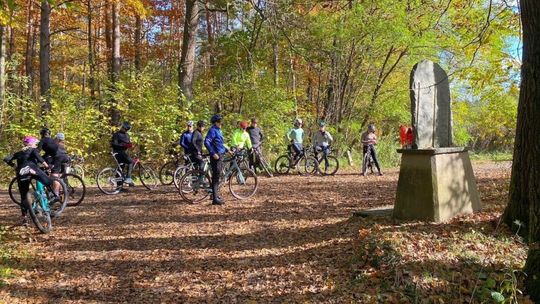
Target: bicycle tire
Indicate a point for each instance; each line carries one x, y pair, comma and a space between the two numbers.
265, 166
247, 175
12, 192
167, 171
73, 201
282, 164
331, 160
365, 163
57, 209
77, 170
42, 218
308, 165
187, 181
111, 178
178, 173
148, 177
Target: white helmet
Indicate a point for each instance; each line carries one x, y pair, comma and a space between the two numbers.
298, 122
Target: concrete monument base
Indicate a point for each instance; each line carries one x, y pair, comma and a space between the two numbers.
435, 185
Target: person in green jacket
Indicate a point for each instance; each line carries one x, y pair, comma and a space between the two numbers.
241, 139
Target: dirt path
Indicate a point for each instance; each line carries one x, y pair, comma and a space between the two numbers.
293, 242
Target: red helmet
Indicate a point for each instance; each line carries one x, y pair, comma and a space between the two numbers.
243, 124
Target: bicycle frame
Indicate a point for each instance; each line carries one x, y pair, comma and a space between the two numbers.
40, 197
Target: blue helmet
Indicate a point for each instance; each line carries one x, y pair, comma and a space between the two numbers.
216, 118
126, 125
322, 123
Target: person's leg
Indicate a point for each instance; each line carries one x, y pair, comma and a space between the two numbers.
374, 156
326, 151
24, 186
216, 172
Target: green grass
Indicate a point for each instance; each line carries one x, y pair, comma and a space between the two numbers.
496, 156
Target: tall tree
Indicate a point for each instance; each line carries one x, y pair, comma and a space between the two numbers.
186, 67
91, 52
116, 60
524, 204
30, 45
45, 56
2, 67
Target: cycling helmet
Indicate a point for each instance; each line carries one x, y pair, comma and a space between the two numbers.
201, 123
322, 123
298, 122
45, 132
254, 120
216, 118
243, 124
30, 140
371, 127
190, 123
126, 125
60, 136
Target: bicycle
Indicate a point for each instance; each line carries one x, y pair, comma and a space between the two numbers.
288, 161
367, 161
41, 202
76, 188
111, 180
260, 161
182, 169
329, 163
167, 171
195, 185
76, 165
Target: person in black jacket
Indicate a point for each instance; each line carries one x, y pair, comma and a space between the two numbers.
120, 143
256, 136
28, 161
49, 147
197, 144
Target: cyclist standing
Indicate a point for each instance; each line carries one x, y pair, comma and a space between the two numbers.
61, 155
256, 136
185, 138
369, 140
120, 143
197, 143
241, 138
215, 144
321, 142
296, 137
53, 158
28, 160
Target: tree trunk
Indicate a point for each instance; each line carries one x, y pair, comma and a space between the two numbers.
116, 61
29, 52
45, 57
524, 204
91, 54
138, 46
189, 41
2, 71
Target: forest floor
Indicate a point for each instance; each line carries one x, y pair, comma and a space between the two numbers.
295, 241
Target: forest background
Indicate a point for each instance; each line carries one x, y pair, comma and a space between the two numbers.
83, 66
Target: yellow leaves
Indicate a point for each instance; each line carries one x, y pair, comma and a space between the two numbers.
137, 7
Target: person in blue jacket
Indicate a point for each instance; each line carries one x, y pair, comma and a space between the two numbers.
185, 138
215, 144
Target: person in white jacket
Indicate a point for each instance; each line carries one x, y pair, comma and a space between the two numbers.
321, 142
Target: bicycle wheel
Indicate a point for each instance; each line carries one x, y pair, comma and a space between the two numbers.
39, 213
195, 186
282, 165
166, 173
148, 177
331, 168
14, 191
109, 181
178, 173
243, 183
77, 170
58, 205
263, 163
309, 165
76, 189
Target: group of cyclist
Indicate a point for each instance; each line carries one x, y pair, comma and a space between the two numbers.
28, 163
247, 136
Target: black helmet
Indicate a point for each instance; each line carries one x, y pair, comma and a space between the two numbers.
45, 132
126, 125
216, 118
371, 127
201, 123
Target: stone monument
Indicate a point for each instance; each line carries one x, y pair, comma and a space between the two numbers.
436, 180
